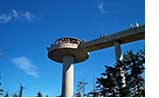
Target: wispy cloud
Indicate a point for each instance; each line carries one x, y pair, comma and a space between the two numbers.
5, 18
26, 65
29, 16
15, 15
100, 6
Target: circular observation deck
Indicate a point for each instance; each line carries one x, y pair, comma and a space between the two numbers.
67, 46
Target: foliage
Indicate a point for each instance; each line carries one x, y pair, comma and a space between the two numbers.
110, 84
93, 93
81, 89
47, 95
1, 90
14, 95
6, 95
39, 94
131, 70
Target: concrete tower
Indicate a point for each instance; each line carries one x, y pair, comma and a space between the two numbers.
65, 51
71, 50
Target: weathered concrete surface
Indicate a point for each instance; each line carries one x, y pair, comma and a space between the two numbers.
117, 47
68, 76
125, 36
68, 54
118, 54
66, 51
57, 52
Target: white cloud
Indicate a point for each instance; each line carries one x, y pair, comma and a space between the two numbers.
25, 64
28, 16
7, 17
101, 7
15, 13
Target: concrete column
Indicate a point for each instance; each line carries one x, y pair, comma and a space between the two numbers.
68, 76
117, 50
118, 57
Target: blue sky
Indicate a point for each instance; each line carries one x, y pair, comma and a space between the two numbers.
27, 27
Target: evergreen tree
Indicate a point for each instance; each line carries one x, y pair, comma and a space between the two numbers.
21, 90
14, 95
1, 90
81, 89
94, 92
47, 95
6, 95
110, 84
39, 94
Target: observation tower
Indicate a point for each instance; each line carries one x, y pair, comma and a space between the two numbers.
70, 50
65, 51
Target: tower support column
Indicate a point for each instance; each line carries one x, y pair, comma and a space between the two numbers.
68, 76
118, 55
117, 50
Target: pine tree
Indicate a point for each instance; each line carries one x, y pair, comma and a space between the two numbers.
6, 95
39, 94
1, 90
94, 92
81, 89
110, 84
